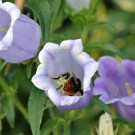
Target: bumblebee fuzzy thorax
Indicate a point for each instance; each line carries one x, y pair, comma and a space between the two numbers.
68, 85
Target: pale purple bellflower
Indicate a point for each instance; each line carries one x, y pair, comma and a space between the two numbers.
116, 85
19, 35
65, 74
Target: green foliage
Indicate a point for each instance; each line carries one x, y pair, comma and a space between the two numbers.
101, 104
85, 16
42, 10
71, 115
106, 28
132, 125
106, 47
8, 104
55, 5
126, 5
29, 69
58, 14
50, 125
1, 117
36, 106
2, 65
21, 133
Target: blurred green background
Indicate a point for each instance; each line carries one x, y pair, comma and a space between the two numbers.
106, 28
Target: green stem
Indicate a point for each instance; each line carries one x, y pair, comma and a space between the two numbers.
57, 130
52, 114
18, 104
57, 127
2, 66
21, 109
85, 34
4, 86
67, 128
35, 17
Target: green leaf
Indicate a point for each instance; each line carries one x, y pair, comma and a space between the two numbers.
21, 133
29, 69
129, 51
93, 5
49, 125
58, 14
36, 107
55, 5
106, 47
8, 104
104, 25
71, 115
132, 125
101, 104
1, 117
2, 65
42, 10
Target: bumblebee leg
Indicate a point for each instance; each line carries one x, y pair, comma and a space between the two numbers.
55, 78
59, 87
79, 85
66, 75
81, 91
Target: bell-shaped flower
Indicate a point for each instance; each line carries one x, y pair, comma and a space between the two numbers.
116, 85
19, 35
65, 74
78, 4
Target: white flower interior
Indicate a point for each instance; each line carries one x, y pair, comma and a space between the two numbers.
4, 23
67, 73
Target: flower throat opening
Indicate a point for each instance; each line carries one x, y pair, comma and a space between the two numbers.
128, 88
69, 85
4, 23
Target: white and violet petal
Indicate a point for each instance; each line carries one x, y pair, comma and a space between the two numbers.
19, 36
116, 85
67, 73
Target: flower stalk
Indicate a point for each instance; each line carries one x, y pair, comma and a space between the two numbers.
18, 104
21, 108
67, 128
20, 4
85, 33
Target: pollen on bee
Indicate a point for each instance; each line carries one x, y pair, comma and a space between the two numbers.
128, 88
68, 85
60, 81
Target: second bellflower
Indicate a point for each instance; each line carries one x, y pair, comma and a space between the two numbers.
65, 74
116, 85
19, 35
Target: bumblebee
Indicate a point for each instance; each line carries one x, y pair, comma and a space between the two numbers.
70, 84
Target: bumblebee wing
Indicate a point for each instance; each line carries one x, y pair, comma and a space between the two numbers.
74, 78
77, 83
